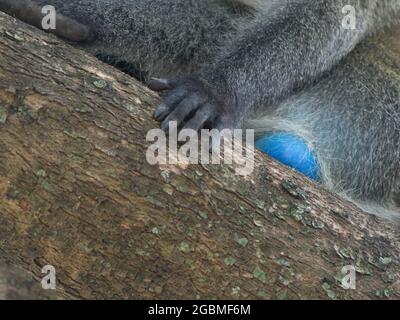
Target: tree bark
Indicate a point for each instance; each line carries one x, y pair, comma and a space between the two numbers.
76, 192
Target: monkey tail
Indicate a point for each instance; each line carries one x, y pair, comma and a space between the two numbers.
31, 13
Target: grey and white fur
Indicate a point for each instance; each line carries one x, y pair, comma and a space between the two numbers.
286, 65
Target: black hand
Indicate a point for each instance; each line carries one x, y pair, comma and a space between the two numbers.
192, 104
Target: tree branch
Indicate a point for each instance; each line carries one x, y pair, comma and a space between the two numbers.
77, 193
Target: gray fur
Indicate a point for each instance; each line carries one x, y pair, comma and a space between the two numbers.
289, 62
160, 37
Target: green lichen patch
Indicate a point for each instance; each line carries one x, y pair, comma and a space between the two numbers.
388, 277
189, 263
199, 173
362, 267
344, 253
296, 192
203, 214
85, 248
142, 253
260, 275
13, 191
260, 204
328, 290
305, 231
285, 281
130, 107
98, 83
317, 224
182, 185
243, 241
165, 174
343, 280
386, 293
73, 134
282, 262
280, 215
184, 247
168, 190
381, 263
15, 36
41, 173
46, 185
339, 277
229, 261
3, 115
84, 109
28, 114
235, 291
298, 213
281, 295
385, 261
263, 295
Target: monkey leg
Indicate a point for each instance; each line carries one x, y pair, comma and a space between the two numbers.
350, 121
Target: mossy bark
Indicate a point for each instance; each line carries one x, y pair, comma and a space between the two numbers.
76, 192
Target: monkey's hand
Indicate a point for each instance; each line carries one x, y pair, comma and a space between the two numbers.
193, 104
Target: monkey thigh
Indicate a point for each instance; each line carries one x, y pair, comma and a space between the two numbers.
351, 122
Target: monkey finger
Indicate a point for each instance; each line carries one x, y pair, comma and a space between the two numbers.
157, 84
182, 111
223, 133
223, 124
169, 103
197, 122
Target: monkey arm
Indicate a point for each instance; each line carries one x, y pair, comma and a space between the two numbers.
280, 53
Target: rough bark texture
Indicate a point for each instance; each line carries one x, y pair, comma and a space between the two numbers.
77, 193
